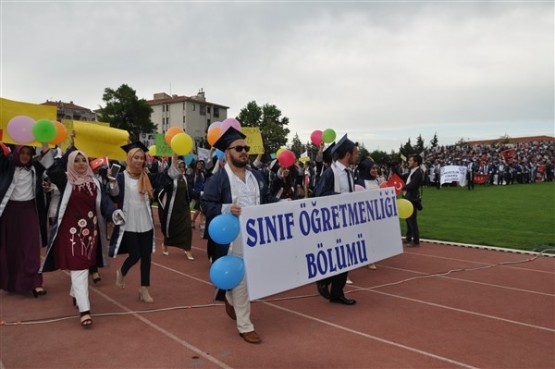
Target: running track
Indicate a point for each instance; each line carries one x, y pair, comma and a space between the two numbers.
436, 306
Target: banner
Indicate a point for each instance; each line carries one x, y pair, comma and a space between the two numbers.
508, 155
480, 178
97, 140
453, 173
292, 243
254, 139
10, 109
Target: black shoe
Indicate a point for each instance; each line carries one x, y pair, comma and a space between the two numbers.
413, 244
343, 300
38, 292
323, 290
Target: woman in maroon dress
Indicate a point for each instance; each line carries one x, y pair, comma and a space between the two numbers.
79, 232
22, 197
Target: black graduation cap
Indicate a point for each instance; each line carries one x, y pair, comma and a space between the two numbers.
227, 138
343, 146
326, 154
134, 145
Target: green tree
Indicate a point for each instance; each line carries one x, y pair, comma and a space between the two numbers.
124, 110
362, 151
434, 141
419, 147
407, 149
380, 157
297, 146
272, 125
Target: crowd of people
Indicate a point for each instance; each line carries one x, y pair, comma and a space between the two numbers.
84, 213
495, 164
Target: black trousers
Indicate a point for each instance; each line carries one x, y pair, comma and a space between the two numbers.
337, 283
140, 248
413, 234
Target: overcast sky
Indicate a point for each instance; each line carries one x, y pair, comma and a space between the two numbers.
382, 72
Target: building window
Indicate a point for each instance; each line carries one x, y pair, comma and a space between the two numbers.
216, 112
183, 120
202, 109
194, 107
208, 109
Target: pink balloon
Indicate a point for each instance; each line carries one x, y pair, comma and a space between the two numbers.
230, 122
20, 129
214, 125
286, 158
359, 188
316, 137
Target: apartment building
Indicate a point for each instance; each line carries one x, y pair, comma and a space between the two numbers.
71, 111
192, 113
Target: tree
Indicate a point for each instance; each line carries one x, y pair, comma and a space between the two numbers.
419, 147
407, 149
362, 151
268, 119
297, 146
380, 157
434, 141
125, 111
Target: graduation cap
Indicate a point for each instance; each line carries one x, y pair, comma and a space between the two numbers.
134, 145
343, 146
227, 138
326, 154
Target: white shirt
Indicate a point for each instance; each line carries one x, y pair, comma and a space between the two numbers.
137, 218
343, 177
24, 189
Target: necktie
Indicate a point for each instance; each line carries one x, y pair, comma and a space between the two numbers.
349, 179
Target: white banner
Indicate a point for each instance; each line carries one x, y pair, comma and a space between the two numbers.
453, 173
293, 243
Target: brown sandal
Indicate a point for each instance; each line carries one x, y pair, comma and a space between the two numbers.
86, 320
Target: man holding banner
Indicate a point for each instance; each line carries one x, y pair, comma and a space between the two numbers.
336, 179
226, 192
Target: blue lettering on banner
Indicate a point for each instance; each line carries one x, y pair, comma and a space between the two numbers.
269, 229
336, 258
278, 227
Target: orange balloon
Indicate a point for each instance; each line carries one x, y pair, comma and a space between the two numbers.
213, 135
172, 132
61, 133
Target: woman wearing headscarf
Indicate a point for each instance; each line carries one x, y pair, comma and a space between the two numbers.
368, 177
136, 237
78, 236
173, 208
22, 218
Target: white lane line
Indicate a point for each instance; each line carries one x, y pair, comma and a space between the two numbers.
467, 281
506, 264
493, 317
165, 332
369, 336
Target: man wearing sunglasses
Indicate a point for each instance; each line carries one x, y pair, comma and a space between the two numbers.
227, 192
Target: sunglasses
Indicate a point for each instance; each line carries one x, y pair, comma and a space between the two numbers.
240, 148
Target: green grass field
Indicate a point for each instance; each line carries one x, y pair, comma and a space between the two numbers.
516, 216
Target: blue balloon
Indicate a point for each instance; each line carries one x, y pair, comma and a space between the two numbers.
220, 154
227, 272
224, 228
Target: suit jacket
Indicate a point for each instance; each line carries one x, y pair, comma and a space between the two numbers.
413, 187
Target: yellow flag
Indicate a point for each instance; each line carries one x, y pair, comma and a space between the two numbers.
254, 139
10, 109
98, 140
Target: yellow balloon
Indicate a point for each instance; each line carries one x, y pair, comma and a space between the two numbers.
182, 144
278, 153
404, 208
152, 150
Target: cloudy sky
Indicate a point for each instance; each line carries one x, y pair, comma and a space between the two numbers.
383, 72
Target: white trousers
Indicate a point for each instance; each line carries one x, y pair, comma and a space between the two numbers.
80, 289
239, 296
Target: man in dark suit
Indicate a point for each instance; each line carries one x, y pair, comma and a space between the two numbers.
337, 178
413, 182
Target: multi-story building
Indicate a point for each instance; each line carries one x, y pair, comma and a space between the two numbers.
71, 111
194, 114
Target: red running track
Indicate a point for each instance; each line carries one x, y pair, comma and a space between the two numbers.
435, 306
